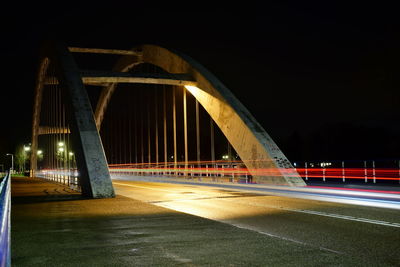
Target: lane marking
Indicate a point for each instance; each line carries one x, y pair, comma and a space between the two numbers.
346, 217
325, 214
283, 238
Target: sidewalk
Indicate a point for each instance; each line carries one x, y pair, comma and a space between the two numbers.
53, 226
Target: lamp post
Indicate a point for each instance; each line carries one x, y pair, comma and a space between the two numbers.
12, 161
27, 149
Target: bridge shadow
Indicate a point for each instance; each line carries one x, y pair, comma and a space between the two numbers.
41, 199
35, 190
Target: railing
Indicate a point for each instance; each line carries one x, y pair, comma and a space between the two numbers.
5, 200
351, 171
65, 177
218, 171
383, 172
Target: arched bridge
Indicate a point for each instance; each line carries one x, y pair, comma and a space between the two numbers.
156, 112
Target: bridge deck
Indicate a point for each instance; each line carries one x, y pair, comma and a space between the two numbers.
53, 226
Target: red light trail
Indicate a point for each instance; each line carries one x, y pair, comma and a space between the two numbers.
236, 168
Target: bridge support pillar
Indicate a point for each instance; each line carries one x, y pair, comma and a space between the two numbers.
90, 157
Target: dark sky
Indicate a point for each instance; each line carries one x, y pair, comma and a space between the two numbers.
320, 78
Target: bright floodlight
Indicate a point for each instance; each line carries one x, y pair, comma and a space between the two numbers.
71, 153
39, 152
27, 148
60, 143
61, 149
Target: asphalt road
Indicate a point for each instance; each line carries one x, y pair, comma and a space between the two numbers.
367, 235
55, 226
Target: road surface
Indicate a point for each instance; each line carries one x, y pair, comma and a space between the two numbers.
367, 234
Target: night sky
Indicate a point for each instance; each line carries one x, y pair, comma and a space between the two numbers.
322, 79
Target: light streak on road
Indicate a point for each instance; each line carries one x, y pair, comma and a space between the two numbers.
373, 198
237, 169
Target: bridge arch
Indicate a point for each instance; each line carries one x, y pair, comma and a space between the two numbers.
252, 143
95, 181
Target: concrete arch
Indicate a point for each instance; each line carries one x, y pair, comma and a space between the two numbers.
91, 161
37, 104
260, 154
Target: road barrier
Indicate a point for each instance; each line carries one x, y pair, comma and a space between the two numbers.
5, 200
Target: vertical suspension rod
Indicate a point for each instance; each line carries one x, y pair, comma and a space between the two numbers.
141, 129
165, 127
212, 142
185, 127
156, 119
198, 133
174, 124
148, 132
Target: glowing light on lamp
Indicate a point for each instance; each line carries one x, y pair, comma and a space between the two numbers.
61, 149
27, 148
71, 153
39, 152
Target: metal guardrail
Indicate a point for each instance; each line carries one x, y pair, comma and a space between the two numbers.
67, 177
5, 227
351, 171
220, 171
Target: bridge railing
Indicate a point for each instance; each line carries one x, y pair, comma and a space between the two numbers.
69, 177
219, 171
5, 200
350, 171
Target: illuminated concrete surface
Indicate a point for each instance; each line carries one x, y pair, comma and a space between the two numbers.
255, 147
368, 236
52, 226
372, 196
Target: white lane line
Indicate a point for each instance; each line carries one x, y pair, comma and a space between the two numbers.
321, 213
345, 217
281, 237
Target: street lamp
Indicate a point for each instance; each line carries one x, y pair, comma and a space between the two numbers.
27, 149
12, 161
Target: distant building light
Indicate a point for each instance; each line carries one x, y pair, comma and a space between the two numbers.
60, 143
39, 152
